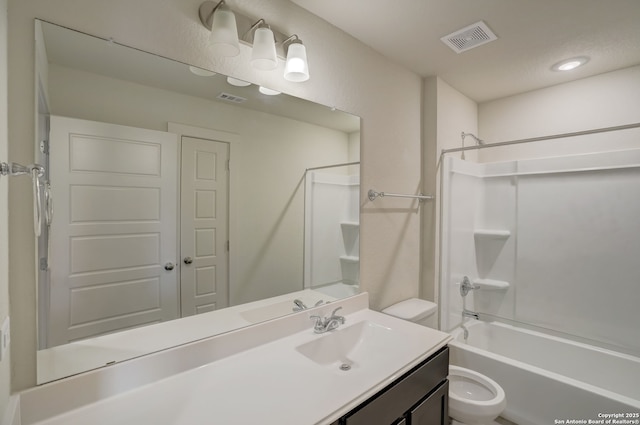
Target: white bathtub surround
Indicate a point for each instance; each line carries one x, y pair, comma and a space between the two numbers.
552, 242
70, 359
253, 375
332, 227
547, 377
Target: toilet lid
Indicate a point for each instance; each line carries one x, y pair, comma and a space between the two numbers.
412, 309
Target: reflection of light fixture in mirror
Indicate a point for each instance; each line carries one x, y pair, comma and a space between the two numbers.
569, 64
238, 83
267, 91
296, 69
263, 54
201, 72
224, 31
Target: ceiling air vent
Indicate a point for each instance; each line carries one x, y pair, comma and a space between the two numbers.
230, 98
469, 37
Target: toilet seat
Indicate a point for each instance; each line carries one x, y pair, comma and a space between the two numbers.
474, 399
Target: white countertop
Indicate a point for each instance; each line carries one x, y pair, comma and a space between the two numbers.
270, 383
91, 353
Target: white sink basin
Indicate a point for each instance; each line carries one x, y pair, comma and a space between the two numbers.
362, 344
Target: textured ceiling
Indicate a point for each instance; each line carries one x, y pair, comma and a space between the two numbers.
533, 35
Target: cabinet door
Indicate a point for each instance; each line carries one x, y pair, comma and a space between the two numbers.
434, 410
392, 403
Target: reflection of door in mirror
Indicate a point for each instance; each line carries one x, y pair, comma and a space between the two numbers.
115, 191
204, 232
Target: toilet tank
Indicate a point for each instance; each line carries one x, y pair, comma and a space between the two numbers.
419, 311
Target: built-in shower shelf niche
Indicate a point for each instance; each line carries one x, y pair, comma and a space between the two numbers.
350, 225
491, 234
350, 238
489, 244
349, 259
491, 284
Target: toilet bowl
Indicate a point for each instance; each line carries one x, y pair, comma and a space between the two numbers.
474, 399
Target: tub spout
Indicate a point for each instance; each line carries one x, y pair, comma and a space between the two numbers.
465, 331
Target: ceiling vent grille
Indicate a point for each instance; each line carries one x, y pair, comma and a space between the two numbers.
469, 37
231, 98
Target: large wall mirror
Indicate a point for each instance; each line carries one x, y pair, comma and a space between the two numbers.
180, 203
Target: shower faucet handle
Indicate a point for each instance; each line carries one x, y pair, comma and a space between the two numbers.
466, 285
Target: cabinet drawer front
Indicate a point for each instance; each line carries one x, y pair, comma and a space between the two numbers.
392, 402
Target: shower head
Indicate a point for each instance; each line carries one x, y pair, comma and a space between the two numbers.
477, 139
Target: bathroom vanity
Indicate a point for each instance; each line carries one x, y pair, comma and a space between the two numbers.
419, 397
276, 372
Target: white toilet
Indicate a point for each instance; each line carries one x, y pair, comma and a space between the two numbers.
474, 399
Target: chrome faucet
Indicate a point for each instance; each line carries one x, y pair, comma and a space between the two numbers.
326, 324
299, 305
469, 313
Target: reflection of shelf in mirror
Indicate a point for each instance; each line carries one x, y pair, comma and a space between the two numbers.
349, 258
491, 233
490, 284
354, 224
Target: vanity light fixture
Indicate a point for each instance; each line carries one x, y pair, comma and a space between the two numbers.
267, 44
296, 68
224, 30
569, 64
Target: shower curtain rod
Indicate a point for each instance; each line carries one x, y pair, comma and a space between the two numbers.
332, 166
537, 139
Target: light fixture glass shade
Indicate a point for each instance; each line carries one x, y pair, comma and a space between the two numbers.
263, 55
268, 91
224, 32
238, 83
296, 69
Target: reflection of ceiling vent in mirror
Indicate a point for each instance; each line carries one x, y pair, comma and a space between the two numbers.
231, 98
469, 37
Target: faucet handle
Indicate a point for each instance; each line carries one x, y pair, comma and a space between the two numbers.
318, 319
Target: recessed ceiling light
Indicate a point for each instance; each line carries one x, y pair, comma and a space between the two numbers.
268, 91
201, 72
569, 64
238, 83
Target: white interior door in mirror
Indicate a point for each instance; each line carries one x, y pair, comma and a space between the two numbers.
204, 225
113, 265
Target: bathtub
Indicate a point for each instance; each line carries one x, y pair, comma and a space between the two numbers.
551, 380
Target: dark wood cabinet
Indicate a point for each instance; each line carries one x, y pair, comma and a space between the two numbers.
419, 397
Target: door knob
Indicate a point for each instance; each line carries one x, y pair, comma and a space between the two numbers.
188, 260
169, 266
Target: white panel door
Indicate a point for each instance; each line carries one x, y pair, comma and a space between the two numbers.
204, 225
114, 228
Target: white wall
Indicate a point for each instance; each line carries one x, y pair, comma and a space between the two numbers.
267, 198
344, 74
5, 370
605, 100
447, 113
